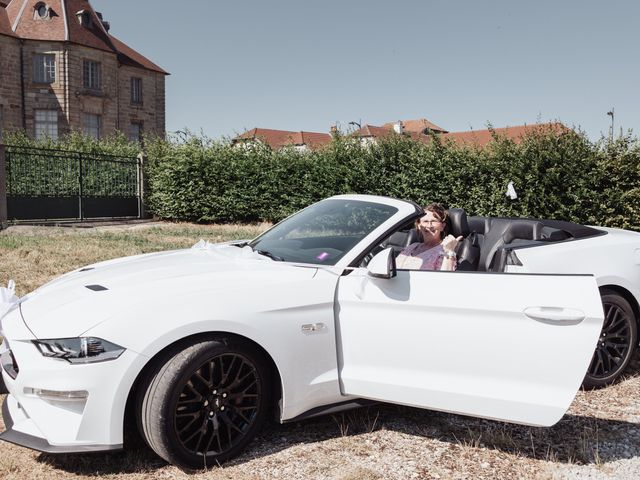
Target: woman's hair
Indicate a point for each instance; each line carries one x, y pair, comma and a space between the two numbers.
441, 214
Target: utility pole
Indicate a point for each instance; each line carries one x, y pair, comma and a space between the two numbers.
611, 113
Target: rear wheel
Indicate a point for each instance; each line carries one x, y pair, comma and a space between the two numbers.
205, 404
616, 344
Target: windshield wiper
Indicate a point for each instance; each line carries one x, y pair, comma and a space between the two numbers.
270, 255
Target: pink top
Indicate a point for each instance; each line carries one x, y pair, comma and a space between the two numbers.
418, 257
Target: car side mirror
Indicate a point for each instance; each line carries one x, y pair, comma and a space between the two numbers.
383, 265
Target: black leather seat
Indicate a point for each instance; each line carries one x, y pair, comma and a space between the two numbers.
504, 231
468, 250
402, 239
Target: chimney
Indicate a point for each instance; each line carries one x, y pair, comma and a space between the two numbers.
398, 127
104, 23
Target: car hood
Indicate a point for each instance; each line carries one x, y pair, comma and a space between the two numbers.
81, 299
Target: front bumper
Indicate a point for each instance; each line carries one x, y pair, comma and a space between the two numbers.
38, 443
35, 418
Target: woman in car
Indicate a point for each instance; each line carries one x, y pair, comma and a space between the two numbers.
437, 251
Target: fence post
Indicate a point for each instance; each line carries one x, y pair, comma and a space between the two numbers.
142, 210
3, 189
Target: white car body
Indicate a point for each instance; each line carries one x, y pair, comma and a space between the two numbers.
492, 345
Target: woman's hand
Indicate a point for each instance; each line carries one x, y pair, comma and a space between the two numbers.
450, 243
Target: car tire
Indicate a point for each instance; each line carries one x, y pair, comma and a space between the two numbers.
205, 403
617, 342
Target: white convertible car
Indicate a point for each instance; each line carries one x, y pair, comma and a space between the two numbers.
199, 346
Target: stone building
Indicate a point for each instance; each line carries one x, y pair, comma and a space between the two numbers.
61, 70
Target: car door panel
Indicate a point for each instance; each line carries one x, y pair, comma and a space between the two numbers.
467, 342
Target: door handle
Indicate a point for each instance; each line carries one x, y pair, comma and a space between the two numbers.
555, 315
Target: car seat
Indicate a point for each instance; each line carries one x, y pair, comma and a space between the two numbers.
468, 250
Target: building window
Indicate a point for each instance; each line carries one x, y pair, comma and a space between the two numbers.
136, 90
42, 11
44, 68
91, 73
46, 123
91, 125
135, 132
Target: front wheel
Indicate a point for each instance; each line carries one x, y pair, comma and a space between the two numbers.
616, 344
206, 403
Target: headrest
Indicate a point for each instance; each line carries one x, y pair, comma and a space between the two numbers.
458, 222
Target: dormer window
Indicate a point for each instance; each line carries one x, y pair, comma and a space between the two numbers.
42, 11
84, 18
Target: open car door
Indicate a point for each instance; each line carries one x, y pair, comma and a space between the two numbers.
511, 347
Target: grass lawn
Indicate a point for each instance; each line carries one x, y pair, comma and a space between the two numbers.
34, 255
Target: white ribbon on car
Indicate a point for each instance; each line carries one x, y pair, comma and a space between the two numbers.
229, 251
8, 298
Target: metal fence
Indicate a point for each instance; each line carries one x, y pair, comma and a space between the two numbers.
45, 184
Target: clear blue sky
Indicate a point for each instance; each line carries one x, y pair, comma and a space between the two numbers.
303, 65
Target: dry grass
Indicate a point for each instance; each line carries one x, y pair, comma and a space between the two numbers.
598, 438
34, 255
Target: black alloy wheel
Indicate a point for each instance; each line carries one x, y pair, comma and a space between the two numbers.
616, 343
218, 405
205, 403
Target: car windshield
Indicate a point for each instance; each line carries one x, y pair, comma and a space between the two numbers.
324, 232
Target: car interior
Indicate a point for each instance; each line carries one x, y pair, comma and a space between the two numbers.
487, 241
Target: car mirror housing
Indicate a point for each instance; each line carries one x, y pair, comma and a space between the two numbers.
383, 265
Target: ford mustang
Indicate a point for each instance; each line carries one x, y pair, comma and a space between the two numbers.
199, 346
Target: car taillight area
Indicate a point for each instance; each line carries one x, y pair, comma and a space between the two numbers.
9, 364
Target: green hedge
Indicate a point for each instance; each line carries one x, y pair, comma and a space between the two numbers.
556, 175
560, 175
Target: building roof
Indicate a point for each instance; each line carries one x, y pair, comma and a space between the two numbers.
280, 138
63, 25
128, 56
417, 126
480, 138
373, 131
5, 25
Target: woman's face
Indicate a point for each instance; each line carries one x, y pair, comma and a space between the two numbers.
430, 227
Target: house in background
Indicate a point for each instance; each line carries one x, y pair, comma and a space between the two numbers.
61, 70
277, 139
413, 128
421, 130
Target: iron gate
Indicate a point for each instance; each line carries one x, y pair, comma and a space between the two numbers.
44, 184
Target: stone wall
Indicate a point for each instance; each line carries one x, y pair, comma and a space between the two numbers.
150, 112
44, 96
10, 90
103, 102
68, 95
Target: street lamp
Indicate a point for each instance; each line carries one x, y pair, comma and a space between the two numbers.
356, 123
611, 113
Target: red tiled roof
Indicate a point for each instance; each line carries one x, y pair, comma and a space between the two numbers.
5, 25
129, 56
25, 25
63, 25
480, 138
417, 126
281, 138
372, 131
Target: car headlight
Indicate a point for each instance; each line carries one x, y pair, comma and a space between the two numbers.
79, 350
